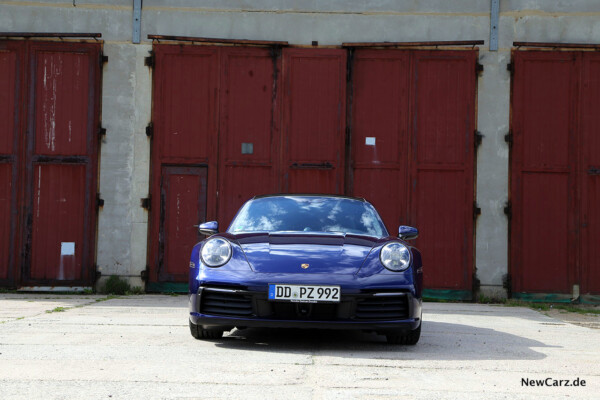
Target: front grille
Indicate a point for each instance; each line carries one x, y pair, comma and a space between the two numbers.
370, 305
222, 302
382, 307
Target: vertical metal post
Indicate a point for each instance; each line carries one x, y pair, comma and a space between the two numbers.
494, 21
137, 21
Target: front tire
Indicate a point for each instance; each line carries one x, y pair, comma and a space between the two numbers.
406, 338
202, 334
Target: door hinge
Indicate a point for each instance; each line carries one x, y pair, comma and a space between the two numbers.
146, 202
507, 282
144, 273
508, 209
508, 138
476, 283
510, 67
150, 61
478, 139
102, 59
99, 201
150, 130
101, 132
476, 210
478, 68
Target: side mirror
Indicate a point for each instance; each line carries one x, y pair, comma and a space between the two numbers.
407, 232
209, 228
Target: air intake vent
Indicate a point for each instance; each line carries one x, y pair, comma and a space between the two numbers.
224, 302
382, 307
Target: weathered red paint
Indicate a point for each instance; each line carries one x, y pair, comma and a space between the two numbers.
49, 104
441, 164
183, 204
413, 119
289, 107
249, 127
185, 115
58, 235
314, 119
11, 64
380, 123
6, 208
543, 173
61, 102
61, 163
589, 173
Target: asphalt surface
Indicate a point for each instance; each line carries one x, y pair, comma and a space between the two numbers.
71, 347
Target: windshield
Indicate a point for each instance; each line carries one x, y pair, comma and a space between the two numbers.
308, 214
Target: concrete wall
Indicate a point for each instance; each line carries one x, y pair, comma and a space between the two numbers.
127, 83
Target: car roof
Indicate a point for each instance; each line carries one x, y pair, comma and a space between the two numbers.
309, 195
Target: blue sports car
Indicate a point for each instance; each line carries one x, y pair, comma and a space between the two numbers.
306, 261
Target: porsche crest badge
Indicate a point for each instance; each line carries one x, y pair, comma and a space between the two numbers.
304, 266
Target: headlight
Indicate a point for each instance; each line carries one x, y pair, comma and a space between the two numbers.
395, 256
216, 252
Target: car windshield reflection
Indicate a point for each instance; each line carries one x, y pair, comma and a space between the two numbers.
308, 214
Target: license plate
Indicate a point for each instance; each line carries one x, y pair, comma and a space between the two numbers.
304, 293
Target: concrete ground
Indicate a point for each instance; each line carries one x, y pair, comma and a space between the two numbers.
69, 347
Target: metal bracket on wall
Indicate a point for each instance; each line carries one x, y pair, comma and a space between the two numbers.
508, 138
137, 21
150, 130
101, 132
478, 68
494, 21
144, 273
507, 283
510, 68
478, 139
476, 210
99, 201
508, 209
145, 202
150, 61
103, 59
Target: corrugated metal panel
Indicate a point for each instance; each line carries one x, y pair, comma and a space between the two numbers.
543, 253
61, 102
185, 115
590, 126
314, 115
380, 117
249, 127
186, 79
441, 186
6, 208
10, 92
183, 205
59, 214
61, 163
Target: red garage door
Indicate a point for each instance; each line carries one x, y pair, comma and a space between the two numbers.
11, 86
554, 175
413, 122
254, 120
314, 121
50, 98
264, 119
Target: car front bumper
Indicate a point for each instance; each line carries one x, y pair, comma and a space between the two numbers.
380, 310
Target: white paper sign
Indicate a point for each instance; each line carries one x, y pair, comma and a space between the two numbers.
370, 141
67, 248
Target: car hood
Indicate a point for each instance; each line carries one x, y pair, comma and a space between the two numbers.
324, 253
